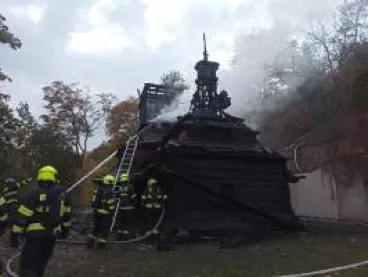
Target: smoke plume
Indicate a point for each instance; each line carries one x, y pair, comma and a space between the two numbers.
256, 45
256, 49
178, 107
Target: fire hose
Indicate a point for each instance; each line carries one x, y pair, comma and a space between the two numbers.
10, 261
133, 240
85, 177
70, 189
11, 273
326, 271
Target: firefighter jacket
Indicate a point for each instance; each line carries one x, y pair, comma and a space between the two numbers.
3, 215
46, 212
10, 192
152, 198
127, 196
104, 201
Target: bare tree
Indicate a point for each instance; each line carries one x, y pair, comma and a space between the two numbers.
333, 45
319, 42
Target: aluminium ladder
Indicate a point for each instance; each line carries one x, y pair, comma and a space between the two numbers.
126, 161
125, 166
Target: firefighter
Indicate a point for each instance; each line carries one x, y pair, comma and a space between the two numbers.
104, 205
10, 193
3, 223
152, 200
3, 216
126, 214
44, 216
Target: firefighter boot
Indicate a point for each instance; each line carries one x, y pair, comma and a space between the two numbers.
90, 243
123, 235
101, 244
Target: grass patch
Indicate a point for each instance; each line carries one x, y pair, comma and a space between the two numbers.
284, 256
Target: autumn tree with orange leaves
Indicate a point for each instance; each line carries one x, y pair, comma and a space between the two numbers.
123, 121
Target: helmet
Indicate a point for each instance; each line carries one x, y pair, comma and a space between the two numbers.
124, 178
108, 180
47, 173
9, 181
152, 181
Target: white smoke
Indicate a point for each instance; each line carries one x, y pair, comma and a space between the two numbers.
248, 71
255, 47
180, 106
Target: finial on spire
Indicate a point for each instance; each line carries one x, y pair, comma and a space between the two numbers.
205, 54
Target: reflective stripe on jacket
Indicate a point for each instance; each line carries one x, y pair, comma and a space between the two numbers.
46, 212
104, 202
152, 198
3, 214
127, 196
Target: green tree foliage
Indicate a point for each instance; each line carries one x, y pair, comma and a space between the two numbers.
31, 145
8, 128
59, 138
73, 112
27, 124
174, 81
47, 146
8, 38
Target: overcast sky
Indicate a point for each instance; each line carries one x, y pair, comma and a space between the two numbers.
117, 45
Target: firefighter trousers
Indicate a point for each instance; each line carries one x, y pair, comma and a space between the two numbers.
101, 227
11, 210
125, 221
35, 255
151, 218
2, 266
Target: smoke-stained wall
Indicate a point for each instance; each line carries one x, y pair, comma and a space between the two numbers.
315, 196
319, 196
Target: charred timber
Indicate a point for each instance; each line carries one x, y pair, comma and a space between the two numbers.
217, 174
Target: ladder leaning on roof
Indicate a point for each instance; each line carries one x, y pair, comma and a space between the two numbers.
125, 166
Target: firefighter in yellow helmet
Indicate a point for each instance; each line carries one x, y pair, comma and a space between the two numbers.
126, 215
104, 205
41, 218
152, 200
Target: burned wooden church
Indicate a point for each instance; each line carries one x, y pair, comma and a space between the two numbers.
218, 176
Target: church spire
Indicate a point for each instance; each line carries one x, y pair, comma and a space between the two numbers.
205, 54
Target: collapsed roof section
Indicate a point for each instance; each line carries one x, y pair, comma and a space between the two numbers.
210, 134
153, 99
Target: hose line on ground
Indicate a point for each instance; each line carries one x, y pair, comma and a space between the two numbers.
9, 262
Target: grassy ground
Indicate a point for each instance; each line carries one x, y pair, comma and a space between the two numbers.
283, 256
